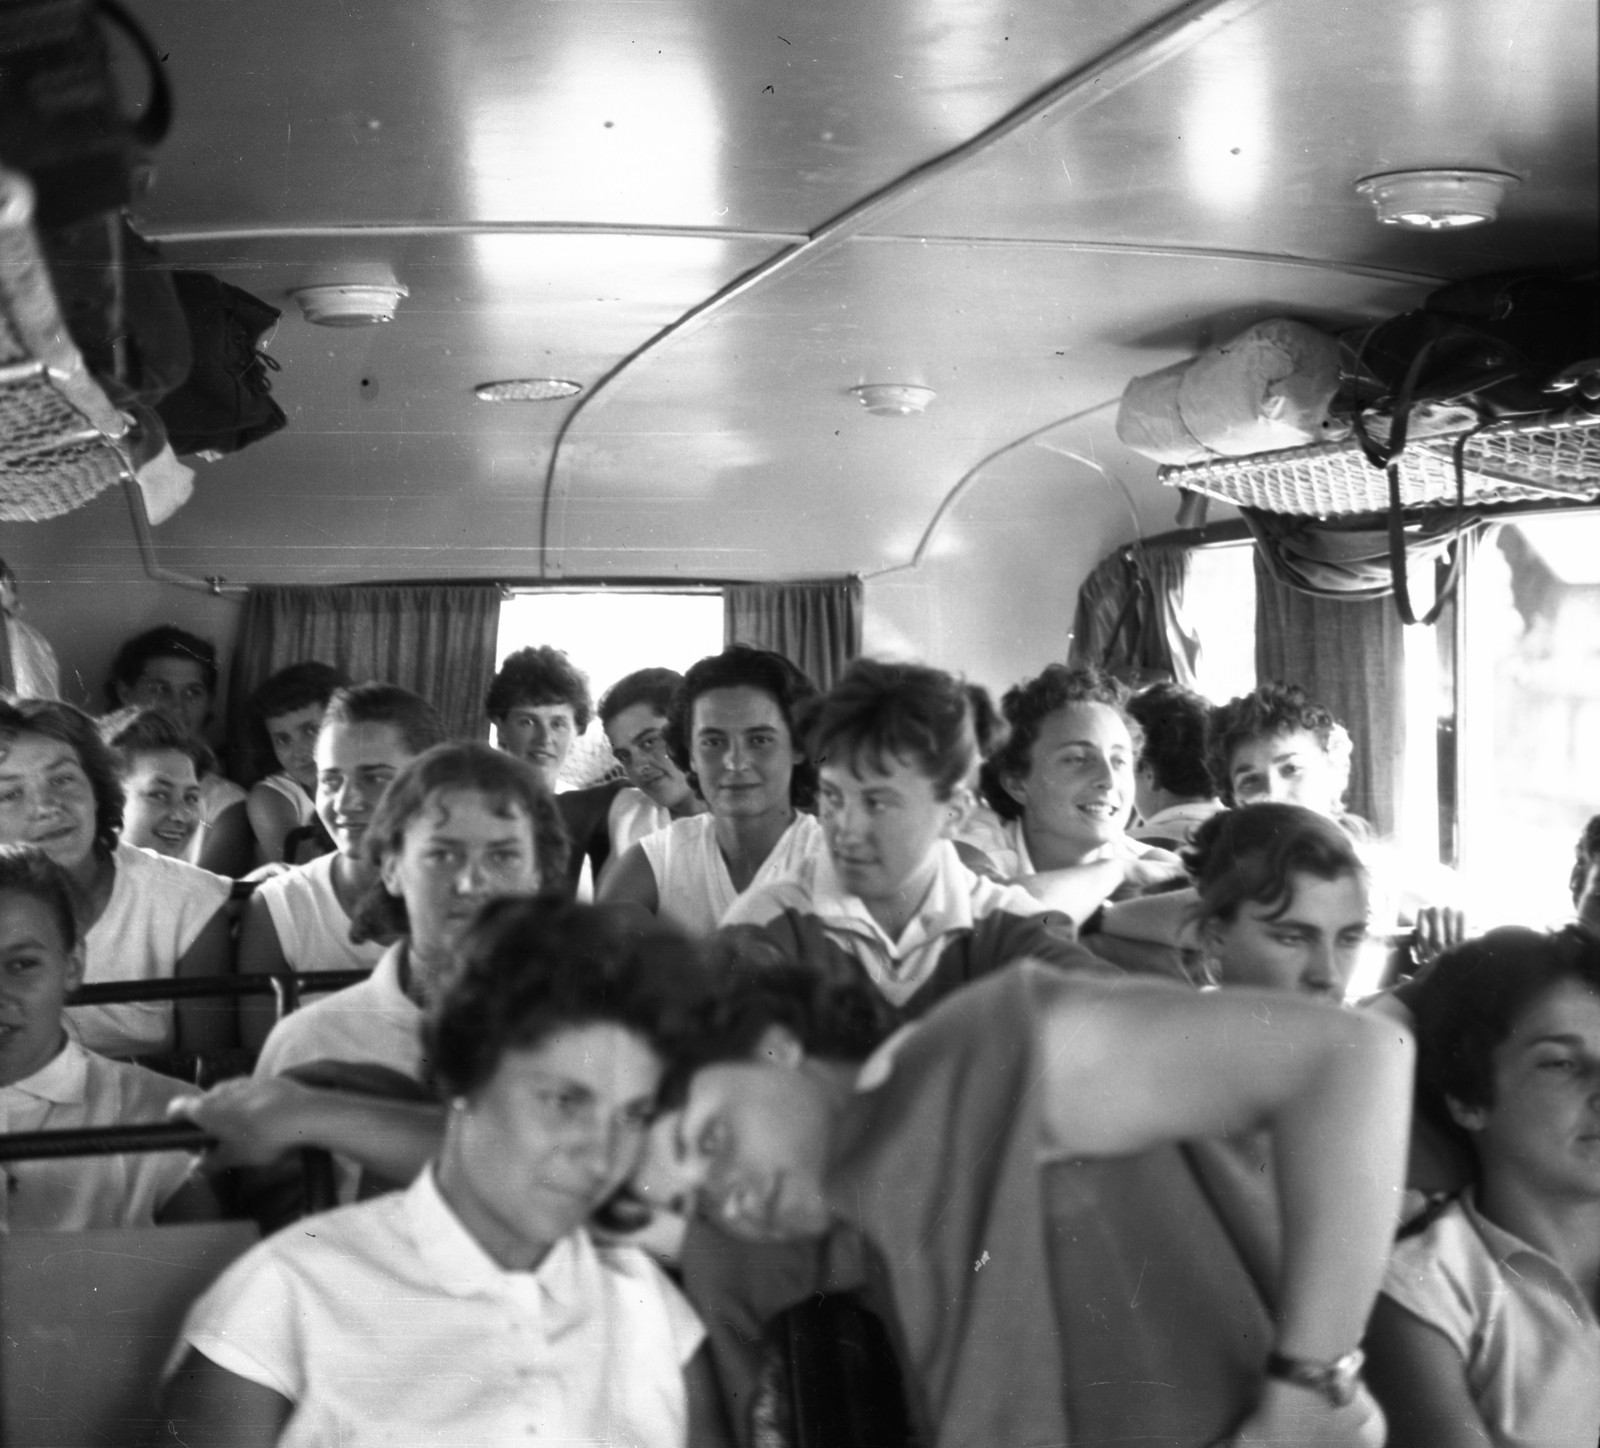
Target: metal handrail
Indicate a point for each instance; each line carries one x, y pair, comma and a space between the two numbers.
287, 985
104, 1141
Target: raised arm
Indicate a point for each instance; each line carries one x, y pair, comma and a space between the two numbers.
1129, 1065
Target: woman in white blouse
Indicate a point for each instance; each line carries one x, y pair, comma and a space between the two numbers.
474, 1307
145, 916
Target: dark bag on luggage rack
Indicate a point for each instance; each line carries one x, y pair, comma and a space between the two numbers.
226, 403
60, 118
1496, 347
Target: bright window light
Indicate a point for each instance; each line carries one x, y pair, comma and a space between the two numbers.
1219, 602
608, 633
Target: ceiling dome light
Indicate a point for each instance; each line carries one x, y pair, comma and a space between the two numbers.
526, 389
350, 304
1439, 200
894, 399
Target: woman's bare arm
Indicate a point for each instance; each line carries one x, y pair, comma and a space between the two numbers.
1128, 1065
229, 846
258, 1119
208, 1407
272, 815
207, 1023
1417, 1375
632, 882
260, 953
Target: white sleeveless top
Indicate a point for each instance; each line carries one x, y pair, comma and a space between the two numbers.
158, 908
313, 930
305, 808
693, 887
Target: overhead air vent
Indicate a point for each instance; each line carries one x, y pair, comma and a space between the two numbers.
1437, 200
349, 304
894, 399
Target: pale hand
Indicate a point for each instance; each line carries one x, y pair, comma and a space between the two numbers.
255, 1120
1293, 1417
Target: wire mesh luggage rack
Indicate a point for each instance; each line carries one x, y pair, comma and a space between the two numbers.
1554, 456
58, 431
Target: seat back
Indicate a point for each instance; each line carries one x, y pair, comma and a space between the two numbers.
87, 1320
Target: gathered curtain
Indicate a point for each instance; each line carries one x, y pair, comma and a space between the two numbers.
1347, 651
1129, 619
437, 640
816, 625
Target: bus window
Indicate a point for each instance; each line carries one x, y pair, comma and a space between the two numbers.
1219, 602
1530, 768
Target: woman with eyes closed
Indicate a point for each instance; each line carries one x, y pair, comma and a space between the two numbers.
1486, 1332
733, 733
474, 1307
145, 916
1063, 783
636, 713
301, 919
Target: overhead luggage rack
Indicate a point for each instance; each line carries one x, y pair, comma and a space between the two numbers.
57, 427
1537, 459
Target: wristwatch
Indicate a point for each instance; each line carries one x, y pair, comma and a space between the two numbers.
1335, 1381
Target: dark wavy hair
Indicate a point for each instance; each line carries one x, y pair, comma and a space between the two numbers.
68, 725
542, 675
741, 666
27, 870
509, 783
1176, 722
411, 716
880, 711
1253, 854
532, 966
1026, 706
1269, 712
165, 641
988, 728
132, 732
1585, 854
825, 1002
296, 687
1469, 1002
655, 687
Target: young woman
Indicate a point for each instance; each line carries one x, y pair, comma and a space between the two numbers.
160, 768
1486, 1332
1280, 900
144, 915
1277, 744
475, 1307
636, 714
48, 1082
1062, 783
786, 1134
734, 735
456, 825
289, 708
301, 919
170, 669
539, 704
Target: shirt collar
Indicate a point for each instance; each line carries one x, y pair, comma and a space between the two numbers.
462, 1268
1508, 1250
62, 1081
946, 907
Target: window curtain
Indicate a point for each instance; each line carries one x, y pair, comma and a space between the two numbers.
815, 625
436, 639
1347, 653
1130, 620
